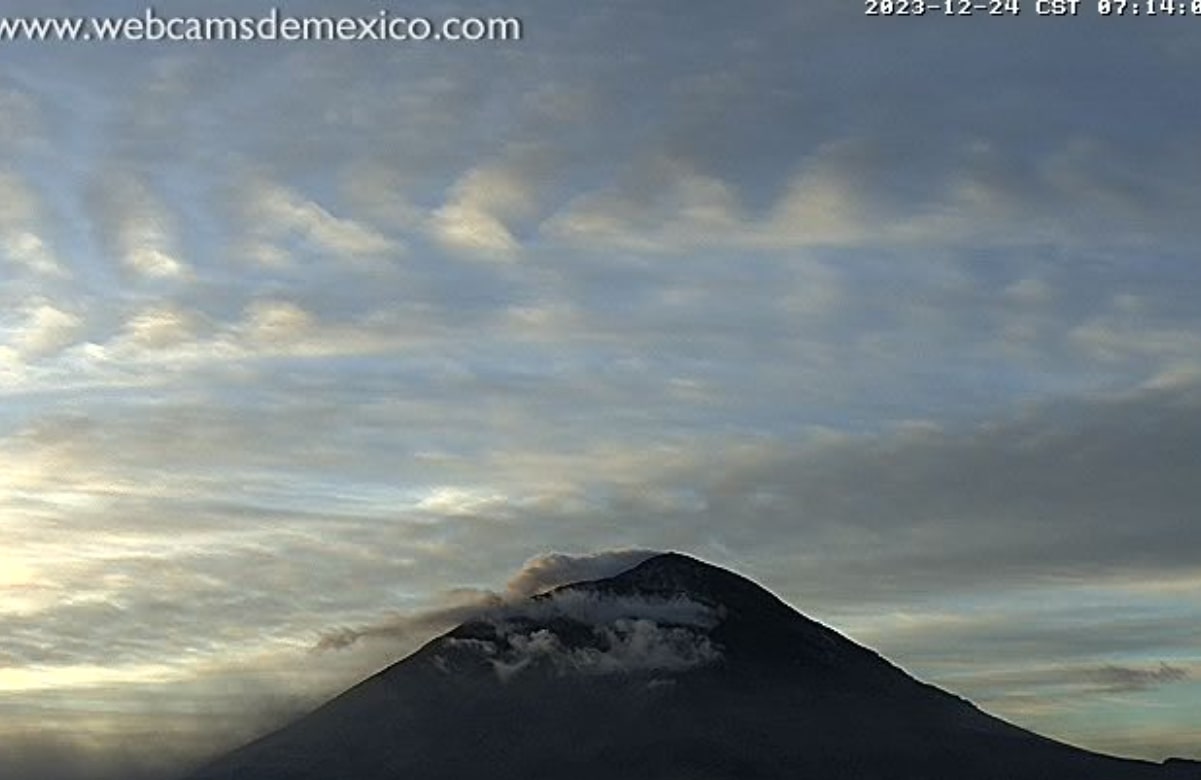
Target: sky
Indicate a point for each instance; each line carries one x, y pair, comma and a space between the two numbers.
306, 347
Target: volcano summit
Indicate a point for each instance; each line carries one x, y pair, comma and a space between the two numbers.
673, 669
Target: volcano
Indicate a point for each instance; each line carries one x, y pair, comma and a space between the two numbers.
674, 669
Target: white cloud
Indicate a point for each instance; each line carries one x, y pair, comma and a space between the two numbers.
475, 219
673, 207
537, 575
140, 227
21, 226
462, 502
624, 634
275, 322
823, 204
849, 191
677, 208
461, 227
160, 327
45, 330
276, 213
265, 253
623, 646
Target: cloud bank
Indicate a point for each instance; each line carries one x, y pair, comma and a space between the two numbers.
583, 631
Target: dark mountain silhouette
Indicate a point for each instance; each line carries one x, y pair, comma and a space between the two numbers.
672, 669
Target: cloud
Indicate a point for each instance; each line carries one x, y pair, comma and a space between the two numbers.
721, 288
276, 322
475, 215
848, 191
277, 214
626, 633
458, 606
1028, 687
549, 570
623, 646
1129, 329
22, 230
138, 225
166, 342
1068, 490
161, 327
1127, 678
45, 330
670, 207
539, 574
619, 634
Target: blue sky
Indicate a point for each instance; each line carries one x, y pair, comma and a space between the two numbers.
896, 316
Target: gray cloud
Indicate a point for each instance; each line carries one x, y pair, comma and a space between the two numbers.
1023, 689
1067, 490
1126, 678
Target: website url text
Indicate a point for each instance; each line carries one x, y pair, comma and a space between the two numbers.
150, 26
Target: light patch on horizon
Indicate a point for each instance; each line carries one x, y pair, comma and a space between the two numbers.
81, 678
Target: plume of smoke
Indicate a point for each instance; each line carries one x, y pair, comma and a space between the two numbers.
458, 607
538, 575
626, 633
549, 570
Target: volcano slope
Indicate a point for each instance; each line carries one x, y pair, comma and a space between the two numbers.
672, 669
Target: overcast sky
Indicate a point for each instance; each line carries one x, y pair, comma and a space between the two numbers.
898, 317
